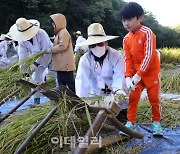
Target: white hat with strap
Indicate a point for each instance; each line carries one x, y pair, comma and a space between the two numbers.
24, 29
96, 35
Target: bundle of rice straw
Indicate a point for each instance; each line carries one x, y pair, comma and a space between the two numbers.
9, 75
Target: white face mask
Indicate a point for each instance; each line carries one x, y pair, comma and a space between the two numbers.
98, 51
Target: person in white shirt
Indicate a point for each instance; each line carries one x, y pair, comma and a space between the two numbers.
79, 50
32, 39
8, 51
101, 68
79, 39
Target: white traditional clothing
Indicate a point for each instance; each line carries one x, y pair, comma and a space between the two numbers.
8, 53
91, 78
41, 42
79, 40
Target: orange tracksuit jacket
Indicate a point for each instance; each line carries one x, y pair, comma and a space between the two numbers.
142, 58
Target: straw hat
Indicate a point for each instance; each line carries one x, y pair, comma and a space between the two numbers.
24, 29
96, 34
8, 36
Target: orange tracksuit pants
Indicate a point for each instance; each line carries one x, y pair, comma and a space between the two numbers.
153, 85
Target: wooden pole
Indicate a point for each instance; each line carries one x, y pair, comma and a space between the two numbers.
35, 131
107, 141
9, 96
96, 125
18, 105
123, 128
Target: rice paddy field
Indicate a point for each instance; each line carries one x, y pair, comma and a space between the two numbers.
15, 129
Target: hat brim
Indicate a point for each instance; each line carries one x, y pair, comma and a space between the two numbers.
8, 36
2, 37
26, 35
96, 39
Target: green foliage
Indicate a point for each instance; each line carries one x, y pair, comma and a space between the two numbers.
170, 55
63, 124
165, 66
170, 82
170, 113
80, 14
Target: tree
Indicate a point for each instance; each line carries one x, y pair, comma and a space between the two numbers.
80, 14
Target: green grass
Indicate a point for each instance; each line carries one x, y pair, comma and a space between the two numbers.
170, 55
170, 82
170, 113
18, 126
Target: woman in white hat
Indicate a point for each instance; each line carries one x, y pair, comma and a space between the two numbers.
101, 68
32, 39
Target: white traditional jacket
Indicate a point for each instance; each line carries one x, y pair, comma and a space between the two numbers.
3, 47
91, 77
41, 42
4, 59
79, 40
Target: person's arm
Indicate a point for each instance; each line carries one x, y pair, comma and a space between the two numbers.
22, 50
76, 48
63, 42
118, 72
82, 82
44, 43
149, 50
2, 48
45, 40
128, 59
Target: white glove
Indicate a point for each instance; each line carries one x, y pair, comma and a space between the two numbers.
135, 79
33, 67
120, 92
129, 83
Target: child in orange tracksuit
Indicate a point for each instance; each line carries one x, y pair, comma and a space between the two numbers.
142, 65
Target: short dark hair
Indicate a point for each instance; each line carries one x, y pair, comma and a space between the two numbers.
131, 10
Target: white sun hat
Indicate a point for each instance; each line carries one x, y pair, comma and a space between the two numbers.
96, 34
78, 32
8, 36
24, 29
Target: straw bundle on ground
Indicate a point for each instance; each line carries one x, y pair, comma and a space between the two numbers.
9, 75
63, 124
170, 82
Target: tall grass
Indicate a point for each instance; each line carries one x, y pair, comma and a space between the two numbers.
170, 82
170, 58
170, 55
